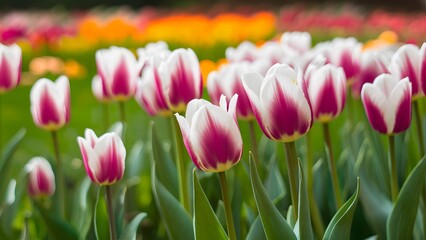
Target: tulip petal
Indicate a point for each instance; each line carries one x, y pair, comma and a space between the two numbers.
63, 86
422, 66
89, 156
193, 107
111, 155
401, 99
207, 132
184, 127
375, 104
405, 63
91, 137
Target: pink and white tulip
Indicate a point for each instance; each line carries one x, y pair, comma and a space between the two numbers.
50, 103
246, 51
387, 103
98, 90
327, 91
119, 71
211, 134
41, 180
296, 43
155, 49
344, 52
149, 93
227, 81
280, 102
10, 67
410, 61
103, 157
181, 79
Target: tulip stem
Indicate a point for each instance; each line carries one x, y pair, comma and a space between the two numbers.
60, 186
183, 193
105, 115
108, 198
315, 214
253, 142
332, 167
392, 169
122, 108
292, 169
228, 211
419, 128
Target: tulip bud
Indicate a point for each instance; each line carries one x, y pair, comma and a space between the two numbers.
103, 157
327, 91
227, 81
156, 49
98, 90
246, 51
10, 67
41, 180
149, 92
280, 102
211, 134
181, 79
119, 70
387, 103
343, 52
50, 103
296, 43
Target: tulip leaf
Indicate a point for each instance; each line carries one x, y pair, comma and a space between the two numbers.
274, 224
119, 209
135, 161
175, 218
165, 167
206, 224
81, 214
256, 231
57, 227
304, 221
340, 225
274, 184
401, 221
7, 153
131, 229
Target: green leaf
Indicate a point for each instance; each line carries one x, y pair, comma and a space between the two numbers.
57, 227
131, 229
304, 222
274, 224
165, 167
119, 209
206, 224
256, 231
81, 214
176, 220
135, 161
7, 153
401, 221
274, 184
340, 225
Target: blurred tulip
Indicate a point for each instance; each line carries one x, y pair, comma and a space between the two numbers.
98, 90
227, 81
119, 71
327, 91
103, 157
246, 51
409, 61
181, 79
158, 49
296, 43
50, 103
280, 102
343, 53
41, 180
372, 64
387, 103
211, 134
10, 67
149, 93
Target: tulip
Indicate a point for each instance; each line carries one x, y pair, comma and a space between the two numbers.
343, 53
50, 103
387, 103
409, 61
181, 79
327, 91
296, 43
157, 49
119, 71
10, 67
103, 157
41, 180
149, 94
246, 51
227, 81
99, 90
280, 102
211, 134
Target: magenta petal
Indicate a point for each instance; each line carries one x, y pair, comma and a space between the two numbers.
375, 116
326, 102
403, 114
214, 153
121, 80
409, 71
6, 81
48, 112
243, 103
423, 73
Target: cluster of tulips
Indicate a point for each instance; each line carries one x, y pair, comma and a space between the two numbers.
285, 86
